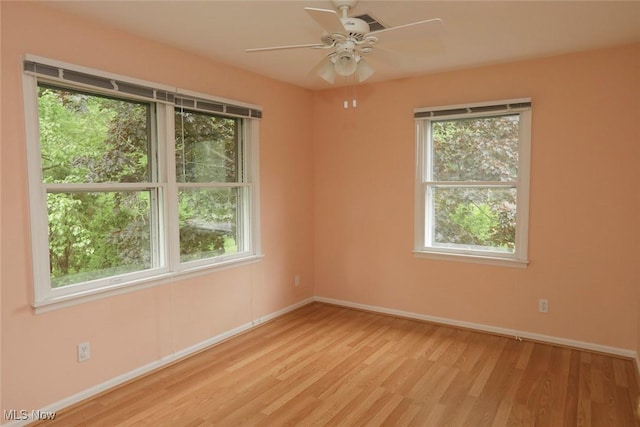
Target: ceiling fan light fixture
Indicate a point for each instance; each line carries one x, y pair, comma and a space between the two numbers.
327, 71
346, 63
364, 71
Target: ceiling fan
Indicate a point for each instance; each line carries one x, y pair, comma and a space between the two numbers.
348, 40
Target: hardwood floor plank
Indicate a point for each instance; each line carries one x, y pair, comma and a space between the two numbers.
570, 416
475, 347
559, 383
487, 407
391, 402
403, 379
402, 414
431, 417
620, 374
323, 365
506, 405
584, 391
378, 372
488, 363
357, 408
290, 415
330, 407
340, 372
623, 398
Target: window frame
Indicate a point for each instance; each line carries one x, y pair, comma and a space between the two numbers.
423, 182
162, 181
245, 176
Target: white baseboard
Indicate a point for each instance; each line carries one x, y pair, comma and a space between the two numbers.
92, 391
114, 382
565, 342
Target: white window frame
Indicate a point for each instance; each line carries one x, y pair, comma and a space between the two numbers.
248, 174
45, 297
422, 216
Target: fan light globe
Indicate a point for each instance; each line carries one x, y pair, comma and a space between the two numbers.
326, 70
364, 70
346, 63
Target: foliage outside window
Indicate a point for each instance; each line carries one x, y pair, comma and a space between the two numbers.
98, 169
210, 191
119, 200
471, 196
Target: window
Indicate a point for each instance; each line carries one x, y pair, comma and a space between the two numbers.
472, 182
129, 187
100, 176
211, 188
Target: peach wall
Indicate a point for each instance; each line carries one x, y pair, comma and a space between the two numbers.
584, 204
129, 331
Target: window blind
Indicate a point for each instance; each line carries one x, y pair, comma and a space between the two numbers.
207, 105
139, 90
506, 107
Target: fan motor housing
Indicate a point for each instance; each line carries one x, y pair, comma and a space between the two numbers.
355, 27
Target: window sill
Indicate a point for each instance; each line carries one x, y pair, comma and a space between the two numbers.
57, 302
475, 259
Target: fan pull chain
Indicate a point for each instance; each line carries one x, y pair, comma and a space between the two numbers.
346, 95
354, 101
355, 97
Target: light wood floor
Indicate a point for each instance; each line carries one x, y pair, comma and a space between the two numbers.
325, 365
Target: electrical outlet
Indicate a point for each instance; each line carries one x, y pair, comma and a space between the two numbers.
84, 351
296, 281
543, 305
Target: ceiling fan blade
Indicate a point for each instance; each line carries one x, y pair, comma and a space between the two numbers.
434, 25
327, 19
387, 57
295, 46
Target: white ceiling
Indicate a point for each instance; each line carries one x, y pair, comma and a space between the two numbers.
475, 32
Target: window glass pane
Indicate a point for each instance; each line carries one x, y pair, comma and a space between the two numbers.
474, 218
98, 234
89, 138
207, 148
209, 222
475, 149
